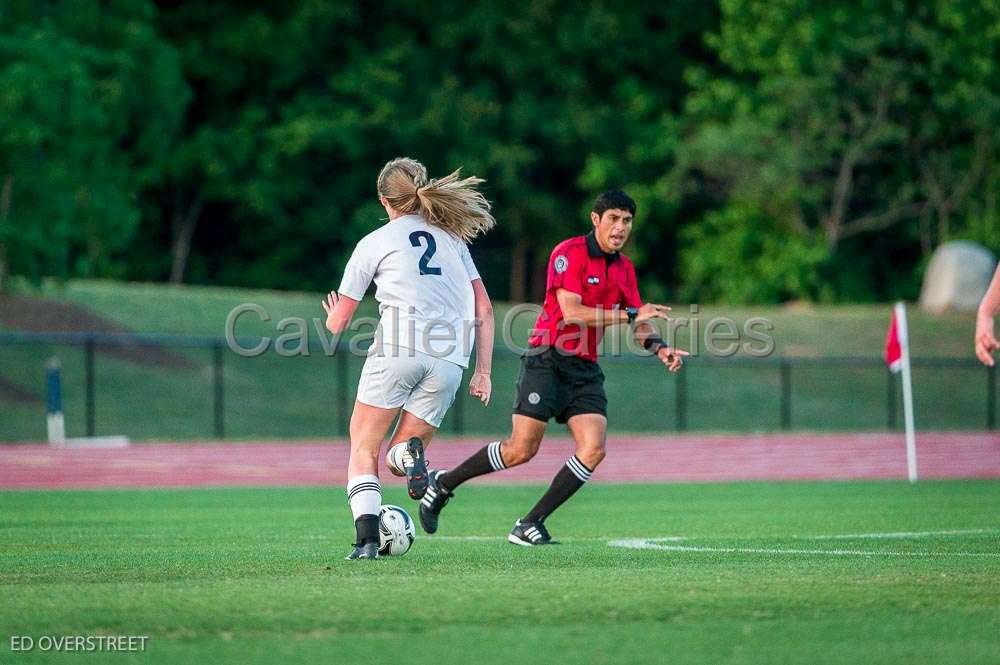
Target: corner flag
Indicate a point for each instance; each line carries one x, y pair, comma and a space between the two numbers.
893, 349
897, 357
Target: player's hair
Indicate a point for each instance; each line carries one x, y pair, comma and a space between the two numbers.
451, 203
614, 199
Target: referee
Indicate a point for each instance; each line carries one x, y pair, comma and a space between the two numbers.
590, 285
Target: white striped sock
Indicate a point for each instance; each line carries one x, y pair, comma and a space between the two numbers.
429, 496
578, 469
364, 494
496, 458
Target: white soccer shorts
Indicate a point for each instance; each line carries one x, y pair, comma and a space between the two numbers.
421, 384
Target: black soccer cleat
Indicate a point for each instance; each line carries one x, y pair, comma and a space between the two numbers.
416, 470
434, 500
530, 534
367, 551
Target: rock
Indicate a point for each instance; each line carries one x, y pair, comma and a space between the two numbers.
957, 277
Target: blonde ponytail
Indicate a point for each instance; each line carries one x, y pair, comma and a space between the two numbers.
451, 203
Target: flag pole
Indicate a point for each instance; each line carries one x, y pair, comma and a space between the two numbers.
904, 343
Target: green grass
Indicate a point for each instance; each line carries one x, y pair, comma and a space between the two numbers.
256, 576
279, 398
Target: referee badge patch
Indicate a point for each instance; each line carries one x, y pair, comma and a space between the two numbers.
561, 263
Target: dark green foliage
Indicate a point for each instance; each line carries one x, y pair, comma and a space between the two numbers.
866, 128
238, 143
91, 101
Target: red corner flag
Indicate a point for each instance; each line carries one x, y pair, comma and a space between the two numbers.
893, 349
897, 356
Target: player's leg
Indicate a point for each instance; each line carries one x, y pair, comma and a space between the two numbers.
411, 425
526, 436
406, 457
384, 386
430, 398
425, 408
364, 493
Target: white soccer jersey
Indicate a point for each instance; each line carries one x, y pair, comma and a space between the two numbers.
423, 278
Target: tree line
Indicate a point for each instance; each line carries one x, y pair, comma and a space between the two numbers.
778, 150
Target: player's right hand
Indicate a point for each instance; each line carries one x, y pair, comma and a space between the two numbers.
652, 311
986, 341
328, 304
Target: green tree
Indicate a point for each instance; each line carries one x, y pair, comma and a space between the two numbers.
840, 123
89, 101
297, 107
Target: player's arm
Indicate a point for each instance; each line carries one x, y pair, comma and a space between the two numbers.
986, 341
574, 310
481, 385
358, 275
339, 311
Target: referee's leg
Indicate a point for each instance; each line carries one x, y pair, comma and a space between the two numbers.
526, 435
589, 430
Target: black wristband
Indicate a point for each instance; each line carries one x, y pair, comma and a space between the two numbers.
653, 343
631, 312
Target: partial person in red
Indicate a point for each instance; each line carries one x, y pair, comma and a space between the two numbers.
985, 341
590, 285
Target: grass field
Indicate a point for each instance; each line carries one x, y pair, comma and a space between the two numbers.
278, 397
256, 576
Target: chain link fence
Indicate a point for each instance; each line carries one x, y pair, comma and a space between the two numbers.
161, 387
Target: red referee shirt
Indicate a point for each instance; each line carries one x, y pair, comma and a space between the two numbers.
602, 280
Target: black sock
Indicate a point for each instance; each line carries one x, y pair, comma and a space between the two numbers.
367, 528
485, 460
568, 480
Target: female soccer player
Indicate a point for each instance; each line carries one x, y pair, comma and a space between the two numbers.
431, 299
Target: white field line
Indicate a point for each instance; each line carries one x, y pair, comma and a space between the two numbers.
667, 544
900, 534
652, 544
592, 539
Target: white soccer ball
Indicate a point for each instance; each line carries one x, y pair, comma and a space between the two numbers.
394, 459
395, 531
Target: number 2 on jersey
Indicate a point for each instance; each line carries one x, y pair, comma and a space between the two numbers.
425, 258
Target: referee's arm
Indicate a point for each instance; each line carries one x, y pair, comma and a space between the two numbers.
574, 311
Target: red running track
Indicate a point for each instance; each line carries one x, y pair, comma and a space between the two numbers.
688, 458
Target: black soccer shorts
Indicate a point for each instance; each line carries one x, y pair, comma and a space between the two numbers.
552, 384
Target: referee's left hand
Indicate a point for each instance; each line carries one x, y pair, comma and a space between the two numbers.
671, 357
481, 386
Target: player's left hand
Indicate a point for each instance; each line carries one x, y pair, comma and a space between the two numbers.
481, 386
671, 357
